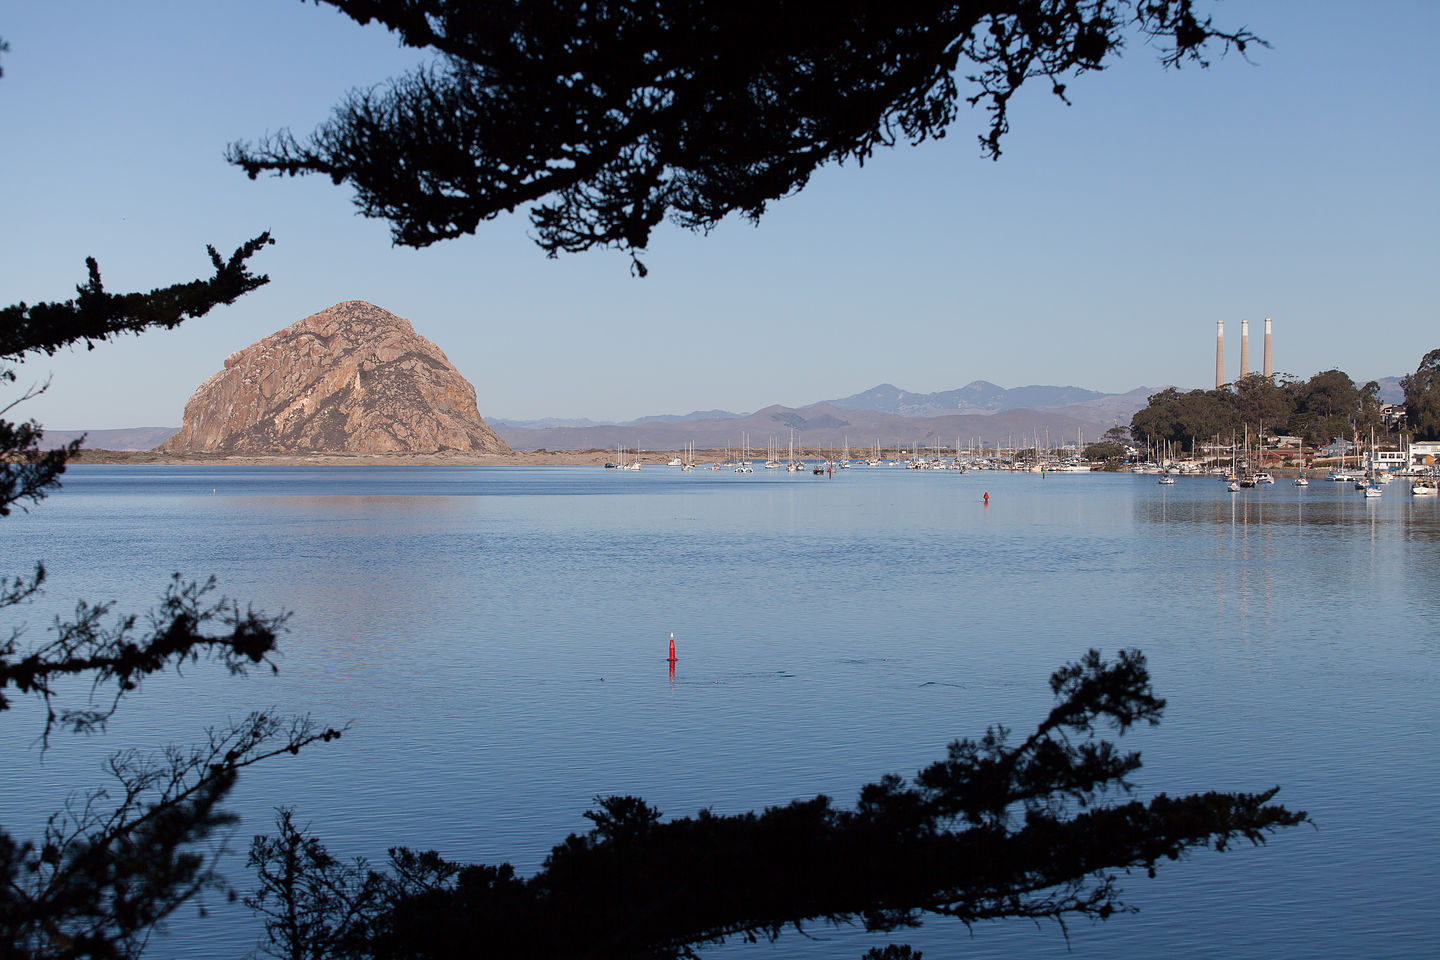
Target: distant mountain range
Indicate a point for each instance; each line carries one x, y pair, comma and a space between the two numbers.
548, 422
896, 417
979, 396
820, 424
132, 438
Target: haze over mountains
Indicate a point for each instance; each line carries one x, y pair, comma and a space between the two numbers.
979, 396
977, 411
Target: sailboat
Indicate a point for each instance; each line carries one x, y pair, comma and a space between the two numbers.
1166, 477
1425, 486
622, 464
1372, 484
744, 465
1342, 475
1300, 481
1247, 479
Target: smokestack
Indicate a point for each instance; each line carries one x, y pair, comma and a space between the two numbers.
1269, 368
1244, 348
1219, 354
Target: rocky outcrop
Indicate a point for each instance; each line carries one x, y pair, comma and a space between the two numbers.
352, 378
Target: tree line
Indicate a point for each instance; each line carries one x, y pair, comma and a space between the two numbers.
1327, 406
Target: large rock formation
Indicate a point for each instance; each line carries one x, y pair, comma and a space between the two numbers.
351, 379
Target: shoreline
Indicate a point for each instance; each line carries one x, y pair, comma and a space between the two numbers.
519, 458
559, 458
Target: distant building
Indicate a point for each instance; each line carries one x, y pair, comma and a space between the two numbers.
1425, 454
1387, 460
1393, 414
1337, 448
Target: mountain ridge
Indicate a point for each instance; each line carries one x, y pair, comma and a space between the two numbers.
1090, 416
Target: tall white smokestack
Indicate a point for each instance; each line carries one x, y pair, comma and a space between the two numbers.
1219, 354
1269, 368
1244, 348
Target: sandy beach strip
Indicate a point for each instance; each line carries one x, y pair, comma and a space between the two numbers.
519, 458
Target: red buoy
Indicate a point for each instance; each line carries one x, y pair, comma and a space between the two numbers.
672, 648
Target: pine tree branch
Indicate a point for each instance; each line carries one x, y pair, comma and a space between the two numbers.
119, 653
96, 315
607, 119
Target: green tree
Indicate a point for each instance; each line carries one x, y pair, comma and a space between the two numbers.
1159, 419
1370, 415
997, 828
1260, 402
1326, 407
1175, 417
1117, 435
1422, 397
606, 119
1330, 393
1105, 452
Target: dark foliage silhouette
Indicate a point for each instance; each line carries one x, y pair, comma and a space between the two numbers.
96, 315
604, 119
997, 829
118, 859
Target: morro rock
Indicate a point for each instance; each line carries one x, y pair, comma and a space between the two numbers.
352, 378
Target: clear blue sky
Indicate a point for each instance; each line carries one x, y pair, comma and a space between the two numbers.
1099, 251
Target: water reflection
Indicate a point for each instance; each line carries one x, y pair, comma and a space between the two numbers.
1207, 502
833, 632
1284, 553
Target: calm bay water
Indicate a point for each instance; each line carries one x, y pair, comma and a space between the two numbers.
498, 637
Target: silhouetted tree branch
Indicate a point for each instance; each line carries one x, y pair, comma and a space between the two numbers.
117, 860
96, 315
117, 653
992, 831
26, 471
314, 906
606, 118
